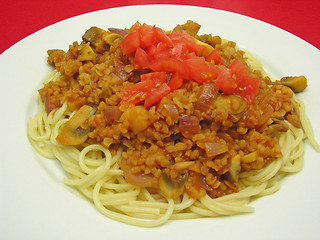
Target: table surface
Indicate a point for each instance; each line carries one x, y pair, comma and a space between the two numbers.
20, 18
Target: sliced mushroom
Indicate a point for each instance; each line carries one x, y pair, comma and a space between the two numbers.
235, 167
277, 127
72, 133
172, 188
86, 54
94, 35
296, 83
110, 38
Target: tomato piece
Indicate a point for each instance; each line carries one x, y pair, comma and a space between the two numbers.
135, 27
216, 57
136, 93
169, 65
156, 94
147, 36
157, 77
130, 43
179, 51
248, 86
200, 70
159, 50
175, 82
161, 36
141, 59
226, 82
188, 41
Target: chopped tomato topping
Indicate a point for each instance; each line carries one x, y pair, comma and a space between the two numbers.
178, 55
155, 95
175, 82
157, 77
226, 82
200, 70
136, 93
130, 43
236, 80
215, 56
141, 59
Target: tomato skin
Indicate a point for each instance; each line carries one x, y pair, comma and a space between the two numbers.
236, 80
159, 50
170, 65
147, 35
226, 82
188, 41
141, 59
130, 43
216, 57
155, 95
200, 70
136, 93
175, 82
157, 77
161, 36
179, 51
135, 27
248, 86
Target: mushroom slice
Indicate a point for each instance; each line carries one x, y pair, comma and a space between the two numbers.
86, 53
111, 37
172, 188
95, 35
296, 83
72, 133
235, 167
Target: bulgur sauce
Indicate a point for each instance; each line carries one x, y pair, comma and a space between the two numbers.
197, 137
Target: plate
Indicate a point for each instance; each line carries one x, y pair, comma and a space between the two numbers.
34, 204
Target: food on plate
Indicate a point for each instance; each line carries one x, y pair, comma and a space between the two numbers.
152, 125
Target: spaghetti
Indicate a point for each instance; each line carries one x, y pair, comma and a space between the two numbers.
96, 168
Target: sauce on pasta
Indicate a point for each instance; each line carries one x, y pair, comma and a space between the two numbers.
154, 125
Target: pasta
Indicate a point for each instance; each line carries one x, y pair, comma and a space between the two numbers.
97, 172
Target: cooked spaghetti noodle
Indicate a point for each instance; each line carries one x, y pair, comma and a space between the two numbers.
95, 169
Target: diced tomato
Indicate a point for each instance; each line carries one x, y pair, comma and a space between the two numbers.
157, 77
236, 80
188, 41
175, 82
136, 93
226, 82
178, 55
179, 51
130, 43
141, 59
159, 50
215, 56
170, 65
248, 86
161, 36
200, 70
135, 27
147, 36
156, 94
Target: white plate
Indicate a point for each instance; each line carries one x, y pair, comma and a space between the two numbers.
34, 204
